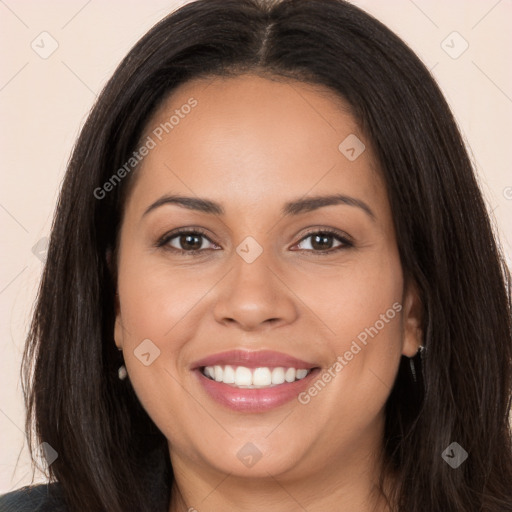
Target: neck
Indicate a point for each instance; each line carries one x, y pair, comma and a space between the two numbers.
229, 494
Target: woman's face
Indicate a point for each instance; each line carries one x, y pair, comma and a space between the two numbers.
265, 277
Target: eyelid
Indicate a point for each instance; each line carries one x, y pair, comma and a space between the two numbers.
164, 240
345, 239
331, 231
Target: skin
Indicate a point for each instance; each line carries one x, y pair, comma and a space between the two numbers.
252, 144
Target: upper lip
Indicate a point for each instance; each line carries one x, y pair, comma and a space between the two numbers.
253, 359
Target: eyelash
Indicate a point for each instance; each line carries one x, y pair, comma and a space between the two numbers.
343, 238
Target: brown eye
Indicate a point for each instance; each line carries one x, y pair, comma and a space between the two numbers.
322, 242
191, 241
185, 241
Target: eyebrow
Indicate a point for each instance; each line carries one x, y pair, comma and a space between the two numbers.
296, 207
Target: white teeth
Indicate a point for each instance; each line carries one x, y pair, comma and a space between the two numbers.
261, 377
278, 375
229, 375
301, 374
254, 377
290, 374
243, 376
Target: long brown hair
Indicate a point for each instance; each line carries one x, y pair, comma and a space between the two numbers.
95, 422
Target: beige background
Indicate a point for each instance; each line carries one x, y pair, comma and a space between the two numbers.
44, 101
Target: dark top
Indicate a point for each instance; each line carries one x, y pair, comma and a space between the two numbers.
36, 498
50, 497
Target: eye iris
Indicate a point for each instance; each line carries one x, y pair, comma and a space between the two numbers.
324, 239
193, 242
185, 241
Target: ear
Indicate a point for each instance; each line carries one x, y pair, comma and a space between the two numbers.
412, 320
118, 331
118, 326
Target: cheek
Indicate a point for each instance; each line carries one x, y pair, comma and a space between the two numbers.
359, 313
156, 299
349, 299
157, 311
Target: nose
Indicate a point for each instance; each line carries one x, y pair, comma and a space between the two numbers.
254, 296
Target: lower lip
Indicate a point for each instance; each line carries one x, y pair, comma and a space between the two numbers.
254, 400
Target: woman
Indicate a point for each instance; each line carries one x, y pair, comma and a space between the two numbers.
272, 283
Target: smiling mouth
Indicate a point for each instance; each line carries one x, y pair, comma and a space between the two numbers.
254, 378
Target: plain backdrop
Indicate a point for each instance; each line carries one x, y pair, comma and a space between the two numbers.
44, 100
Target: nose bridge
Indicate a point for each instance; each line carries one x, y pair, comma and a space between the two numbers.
252, 293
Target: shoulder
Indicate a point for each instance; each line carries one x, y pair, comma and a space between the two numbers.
35, 498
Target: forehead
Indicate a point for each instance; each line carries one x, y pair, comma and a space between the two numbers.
249, 139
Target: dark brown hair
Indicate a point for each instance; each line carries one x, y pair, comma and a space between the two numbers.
95, 422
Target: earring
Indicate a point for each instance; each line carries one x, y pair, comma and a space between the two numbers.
411, 362
122, 373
